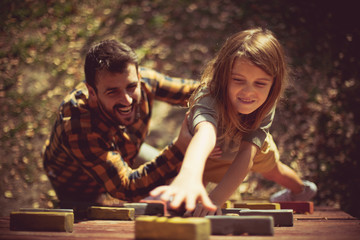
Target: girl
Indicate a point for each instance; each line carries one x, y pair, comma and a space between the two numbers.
230, 116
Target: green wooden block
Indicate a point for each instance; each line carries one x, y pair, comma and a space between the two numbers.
239, 225
46, 210
42, 221
111, 213
176, 228
260, 206
281, 217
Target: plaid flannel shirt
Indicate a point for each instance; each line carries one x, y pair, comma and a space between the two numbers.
88, 155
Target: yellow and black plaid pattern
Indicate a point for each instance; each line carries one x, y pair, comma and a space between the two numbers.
88, 154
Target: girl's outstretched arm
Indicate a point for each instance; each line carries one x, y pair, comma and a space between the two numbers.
187, 187
232, 178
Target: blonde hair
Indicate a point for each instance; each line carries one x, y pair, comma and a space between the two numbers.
260, 47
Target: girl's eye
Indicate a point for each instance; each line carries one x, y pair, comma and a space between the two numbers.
238, 80
260, 84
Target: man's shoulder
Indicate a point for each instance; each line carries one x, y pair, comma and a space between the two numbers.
74, 112
76, 99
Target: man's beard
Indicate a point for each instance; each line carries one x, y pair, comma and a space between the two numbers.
113, 115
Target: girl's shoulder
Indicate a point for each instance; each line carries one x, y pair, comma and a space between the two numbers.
203, 96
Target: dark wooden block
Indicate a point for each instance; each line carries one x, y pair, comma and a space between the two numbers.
238, 225
176, 228
281, 217
147, 208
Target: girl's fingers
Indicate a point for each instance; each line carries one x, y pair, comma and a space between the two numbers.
191, 203
207, 203
159, 190
177, 200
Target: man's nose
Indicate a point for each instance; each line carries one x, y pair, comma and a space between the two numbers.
126, 99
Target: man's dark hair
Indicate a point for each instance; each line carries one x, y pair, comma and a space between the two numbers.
108, 55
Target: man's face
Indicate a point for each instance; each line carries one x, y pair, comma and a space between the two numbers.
118, 94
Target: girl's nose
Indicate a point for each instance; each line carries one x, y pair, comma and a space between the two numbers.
247, 89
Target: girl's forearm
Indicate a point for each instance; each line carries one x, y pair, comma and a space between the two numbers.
200, 146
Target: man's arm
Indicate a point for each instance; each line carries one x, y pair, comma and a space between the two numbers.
109, 170
175, 91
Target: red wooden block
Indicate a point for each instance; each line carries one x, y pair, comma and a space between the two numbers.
298, 206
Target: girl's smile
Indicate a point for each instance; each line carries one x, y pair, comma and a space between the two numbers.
248, 87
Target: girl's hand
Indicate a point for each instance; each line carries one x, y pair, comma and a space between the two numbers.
200, 211
183, 191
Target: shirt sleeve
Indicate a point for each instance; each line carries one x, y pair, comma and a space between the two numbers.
107, 168
172, 90
258, 136
203, 110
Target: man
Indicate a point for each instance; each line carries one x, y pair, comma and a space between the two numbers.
101, 125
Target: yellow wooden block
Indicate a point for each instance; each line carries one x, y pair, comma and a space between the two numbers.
261, 206
111, 213
42, 221
177, 228
227, 204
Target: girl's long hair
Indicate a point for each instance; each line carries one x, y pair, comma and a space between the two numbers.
260, 47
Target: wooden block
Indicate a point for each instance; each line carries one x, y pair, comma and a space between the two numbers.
238, 225
111, 213
260, 206
46, 210
42, 221
148, 207
298, 206
232, 210
176, 228
281, 217
227, 204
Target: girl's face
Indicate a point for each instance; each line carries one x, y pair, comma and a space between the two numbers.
248, 87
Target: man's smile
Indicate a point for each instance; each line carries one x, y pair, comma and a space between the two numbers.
124, 110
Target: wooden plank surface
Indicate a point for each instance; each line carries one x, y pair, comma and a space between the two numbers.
324, 223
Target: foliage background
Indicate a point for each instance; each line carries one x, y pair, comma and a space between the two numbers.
43, 44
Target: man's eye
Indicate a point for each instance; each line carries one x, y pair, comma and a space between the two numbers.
131, 88
111, 93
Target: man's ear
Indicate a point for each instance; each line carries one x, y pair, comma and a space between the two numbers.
92, 92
